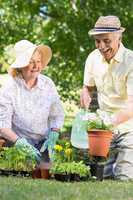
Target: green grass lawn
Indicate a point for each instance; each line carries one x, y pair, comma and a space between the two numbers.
30, 189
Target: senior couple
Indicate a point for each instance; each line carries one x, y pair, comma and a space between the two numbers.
31, 113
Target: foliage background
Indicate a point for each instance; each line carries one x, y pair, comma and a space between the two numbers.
64, 26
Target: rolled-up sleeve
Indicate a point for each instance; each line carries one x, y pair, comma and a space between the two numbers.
6, 110
88, 72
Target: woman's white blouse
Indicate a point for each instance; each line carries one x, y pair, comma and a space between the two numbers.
30, 113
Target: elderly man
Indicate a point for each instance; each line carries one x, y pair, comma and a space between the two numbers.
110, 68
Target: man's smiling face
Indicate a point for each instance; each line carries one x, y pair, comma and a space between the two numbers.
108, 44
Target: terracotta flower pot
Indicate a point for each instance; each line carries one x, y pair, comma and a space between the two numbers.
42, 171
36, 173
99, 142
45, 173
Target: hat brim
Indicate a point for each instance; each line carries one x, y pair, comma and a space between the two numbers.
97, 32
46, 52
23, 60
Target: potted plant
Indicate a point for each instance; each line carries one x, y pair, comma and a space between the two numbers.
16, 161
63, 151
42, 171
99, 134
99, 131
64, 166
70, 171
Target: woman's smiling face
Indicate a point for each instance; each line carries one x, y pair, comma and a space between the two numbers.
34, 68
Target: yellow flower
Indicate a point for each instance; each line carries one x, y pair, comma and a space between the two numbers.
68, 151
58, 147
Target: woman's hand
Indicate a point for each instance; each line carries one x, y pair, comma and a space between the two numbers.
50, 143
22, 142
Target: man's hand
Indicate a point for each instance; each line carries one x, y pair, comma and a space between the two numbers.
50, 142
85, 98
22, 142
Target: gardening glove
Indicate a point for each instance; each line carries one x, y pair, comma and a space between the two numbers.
50, 143
22, 142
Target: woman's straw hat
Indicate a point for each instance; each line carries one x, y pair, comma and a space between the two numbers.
24, 50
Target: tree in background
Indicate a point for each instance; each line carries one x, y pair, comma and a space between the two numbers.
64, 26
18, 20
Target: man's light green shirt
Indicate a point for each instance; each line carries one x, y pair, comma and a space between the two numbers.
114, 81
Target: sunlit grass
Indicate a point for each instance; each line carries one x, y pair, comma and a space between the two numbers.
26, 188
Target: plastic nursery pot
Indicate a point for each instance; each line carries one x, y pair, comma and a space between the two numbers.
14, 173
99, 142
97, 171
2, 142
69, 177
62, 177
42, 171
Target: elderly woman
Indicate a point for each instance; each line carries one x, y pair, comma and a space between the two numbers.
31, 114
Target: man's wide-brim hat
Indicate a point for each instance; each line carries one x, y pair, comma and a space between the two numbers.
24, 50
107, 24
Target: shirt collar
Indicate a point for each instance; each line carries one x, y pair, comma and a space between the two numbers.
119, 55
40, 83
